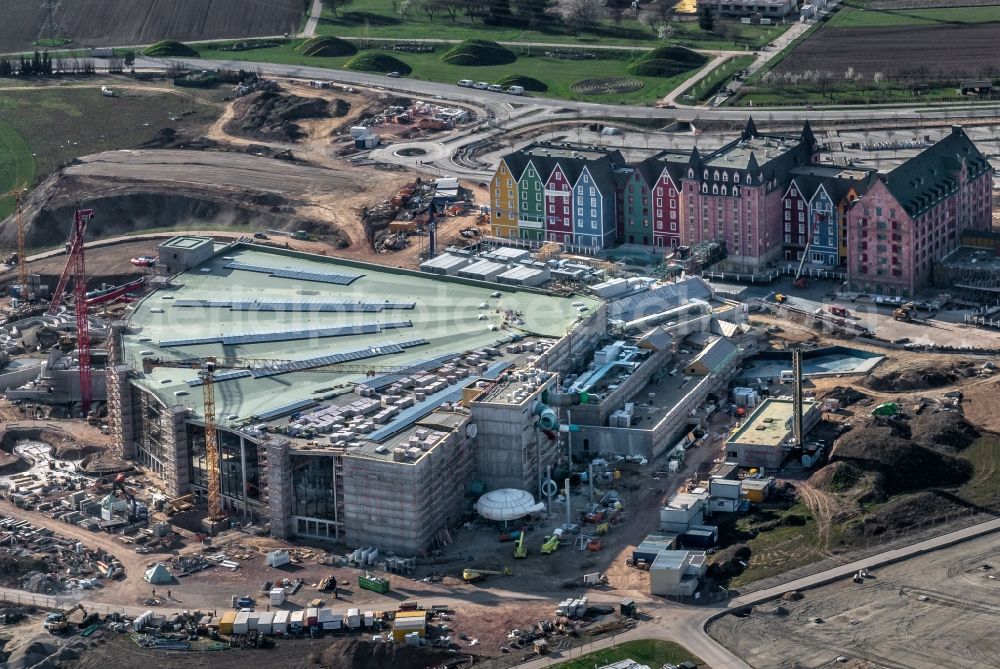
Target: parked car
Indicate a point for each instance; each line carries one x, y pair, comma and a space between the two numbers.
394, 75
465, 83
495, 88
481, 85
259, 235
516, 90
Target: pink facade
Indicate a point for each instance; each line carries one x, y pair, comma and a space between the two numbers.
558, 208
890, 252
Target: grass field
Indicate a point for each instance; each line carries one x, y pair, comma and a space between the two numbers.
859, 17
984, 487
707, 87
43, 128
557, 74
377, 18
651, 652
17, 165
780, 549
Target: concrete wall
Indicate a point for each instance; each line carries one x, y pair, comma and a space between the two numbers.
597, 414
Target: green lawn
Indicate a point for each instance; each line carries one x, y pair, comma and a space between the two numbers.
17, 165
559, 75
44, 128
377, 19
984, 487
838, 94
775, 551
859, 17
651, 652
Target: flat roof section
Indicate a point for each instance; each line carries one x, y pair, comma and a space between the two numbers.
769, 423
186, 242
214, 303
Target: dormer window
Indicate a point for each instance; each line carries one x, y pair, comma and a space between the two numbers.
690, 173
749, 179
736, 178
704, 188
716, 175
736, 191
715, 189
705, 173
723, 189
725, 176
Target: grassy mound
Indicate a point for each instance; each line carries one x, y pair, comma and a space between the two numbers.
478, 52
666, 61
170, 48
529, 83
373, 61
326, 45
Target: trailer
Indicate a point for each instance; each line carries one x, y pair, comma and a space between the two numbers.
295, 622
265, 622
280, 625
330, 621
241, 625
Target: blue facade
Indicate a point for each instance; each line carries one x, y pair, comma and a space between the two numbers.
593, 213
824, 229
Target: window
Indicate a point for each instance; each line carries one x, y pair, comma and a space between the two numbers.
716, 175
552, 209
715, 189
792, 193
565, 211
723, 187
802, 217
736, 178
659, 202
673, 226
705, 175
704, 188
725, 176
788, 204
788, 226
690, 174
593, 224
801, 205
788, 239
673, 204
593, 202
593, 191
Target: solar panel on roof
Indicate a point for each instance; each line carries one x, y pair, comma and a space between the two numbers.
339, 278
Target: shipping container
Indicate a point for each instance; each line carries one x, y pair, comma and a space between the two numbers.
280, 624
226, 623
241, 625
373, 583
312, 616
265, 624
353, 618
295, 622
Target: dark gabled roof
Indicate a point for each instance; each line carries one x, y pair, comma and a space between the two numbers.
836, 180
650, 169
750, 129
516, 162
923, 180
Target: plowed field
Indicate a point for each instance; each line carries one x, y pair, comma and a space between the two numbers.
921, 51
126, 22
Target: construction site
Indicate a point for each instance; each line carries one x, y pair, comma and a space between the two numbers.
274, 391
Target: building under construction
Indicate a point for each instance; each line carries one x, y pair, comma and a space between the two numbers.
352, 402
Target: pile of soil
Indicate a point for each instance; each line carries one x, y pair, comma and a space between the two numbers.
845, 395
883, 447
918, 378
903, 513
362, 654
837, 477
726, 562
272, 115
945, 429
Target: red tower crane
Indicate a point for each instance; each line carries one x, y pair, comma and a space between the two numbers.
76, 266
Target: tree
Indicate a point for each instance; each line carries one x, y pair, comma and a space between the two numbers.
580, 13
129, 60
429, 8
533, 12
706, 19
334, 5
404, 9
451, 8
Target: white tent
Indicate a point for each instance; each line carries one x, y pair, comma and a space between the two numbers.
158, 574
507, 504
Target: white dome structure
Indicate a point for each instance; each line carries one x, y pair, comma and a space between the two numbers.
507, 504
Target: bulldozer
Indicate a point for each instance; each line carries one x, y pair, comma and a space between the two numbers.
520, 549
469, 575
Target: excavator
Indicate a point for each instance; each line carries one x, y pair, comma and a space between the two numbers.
119, 488
550, 544
58, 622
520, 549
469, 575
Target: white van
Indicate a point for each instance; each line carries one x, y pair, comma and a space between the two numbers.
516, 90
465, 83
786, 376
495, 88
481, 85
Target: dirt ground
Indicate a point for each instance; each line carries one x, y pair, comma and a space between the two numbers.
933, 611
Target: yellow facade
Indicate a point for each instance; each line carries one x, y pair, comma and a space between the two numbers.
842, 207
503, 203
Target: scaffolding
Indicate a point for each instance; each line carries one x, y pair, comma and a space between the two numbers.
115, 377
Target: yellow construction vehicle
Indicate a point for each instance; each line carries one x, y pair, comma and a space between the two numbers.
550, 544
905, 312
520, 549
58, 622
780, 298
470, 575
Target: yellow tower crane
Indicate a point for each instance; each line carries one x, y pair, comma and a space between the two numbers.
207, 376
22, 267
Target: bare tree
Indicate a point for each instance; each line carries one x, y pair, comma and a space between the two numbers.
581, 13
334, 5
